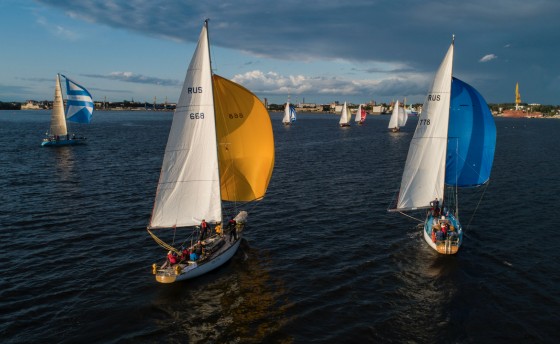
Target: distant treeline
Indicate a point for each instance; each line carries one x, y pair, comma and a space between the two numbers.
546, 110
10, 106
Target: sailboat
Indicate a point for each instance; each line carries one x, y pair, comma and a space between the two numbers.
403, 116
453, 147
289, 114
396, 120
360, 115
79, 109
220, 151
344, 116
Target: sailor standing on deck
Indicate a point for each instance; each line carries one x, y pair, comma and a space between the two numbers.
203, 230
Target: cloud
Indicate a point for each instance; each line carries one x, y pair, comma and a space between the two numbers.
135, 78
271, 83
488, 57
37, 79
58, 30
377, 33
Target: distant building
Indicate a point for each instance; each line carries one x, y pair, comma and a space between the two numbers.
31, 105
520, 111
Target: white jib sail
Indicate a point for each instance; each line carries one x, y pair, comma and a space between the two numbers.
402, 116
189, 188
58, 121
358, 117
344, 118
286, 118
424, 172
394, 120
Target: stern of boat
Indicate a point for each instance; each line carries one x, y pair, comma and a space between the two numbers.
447, 245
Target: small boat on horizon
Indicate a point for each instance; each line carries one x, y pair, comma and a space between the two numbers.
289, 114
79, 109
398, 118
360, 115
344, 117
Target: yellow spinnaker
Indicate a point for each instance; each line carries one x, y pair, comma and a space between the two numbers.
245, 141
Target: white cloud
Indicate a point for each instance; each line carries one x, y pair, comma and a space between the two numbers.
488, 57
58, 30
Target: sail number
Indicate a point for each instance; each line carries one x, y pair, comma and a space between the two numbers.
196, 115
424, 122
235, 115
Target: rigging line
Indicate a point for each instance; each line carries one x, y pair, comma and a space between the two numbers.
478, 204
412, 217
162, 243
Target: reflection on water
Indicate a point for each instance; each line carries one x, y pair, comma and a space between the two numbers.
64, 163
239, 302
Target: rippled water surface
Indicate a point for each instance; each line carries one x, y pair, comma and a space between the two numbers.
322, 260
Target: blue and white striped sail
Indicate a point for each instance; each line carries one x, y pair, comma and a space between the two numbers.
292, 113
289, 113
471, 137
79, 106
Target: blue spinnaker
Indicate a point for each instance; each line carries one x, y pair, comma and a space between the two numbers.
79, 107
471, 137
292, 113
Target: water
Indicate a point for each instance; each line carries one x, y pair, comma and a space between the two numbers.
322, 260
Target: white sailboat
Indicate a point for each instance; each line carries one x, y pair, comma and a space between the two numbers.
403, 116
360, 115
398, 118
453, 147
289, 114
220, 151
344, 117
79, 109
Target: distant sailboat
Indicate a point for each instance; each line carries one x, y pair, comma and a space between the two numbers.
344, 117
453, 146
220, 148
360, 115
79, 109
289, 114
398, 118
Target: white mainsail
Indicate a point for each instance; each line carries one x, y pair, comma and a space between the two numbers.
287, 117
358, 117
58, 121
189, 186
402, 117
394, 120
424, 172
344, 117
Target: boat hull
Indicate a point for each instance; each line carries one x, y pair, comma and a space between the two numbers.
448, 245
59, 143
193, 269
344, 125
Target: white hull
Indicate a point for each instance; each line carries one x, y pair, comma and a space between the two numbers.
444, 246
210, 265
193, 269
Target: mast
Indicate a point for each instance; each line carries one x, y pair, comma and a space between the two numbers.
214, 119
446, 143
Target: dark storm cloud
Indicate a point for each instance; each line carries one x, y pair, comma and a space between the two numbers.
410, 33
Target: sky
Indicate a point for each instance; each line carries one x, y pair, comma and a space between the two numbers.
312, 51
